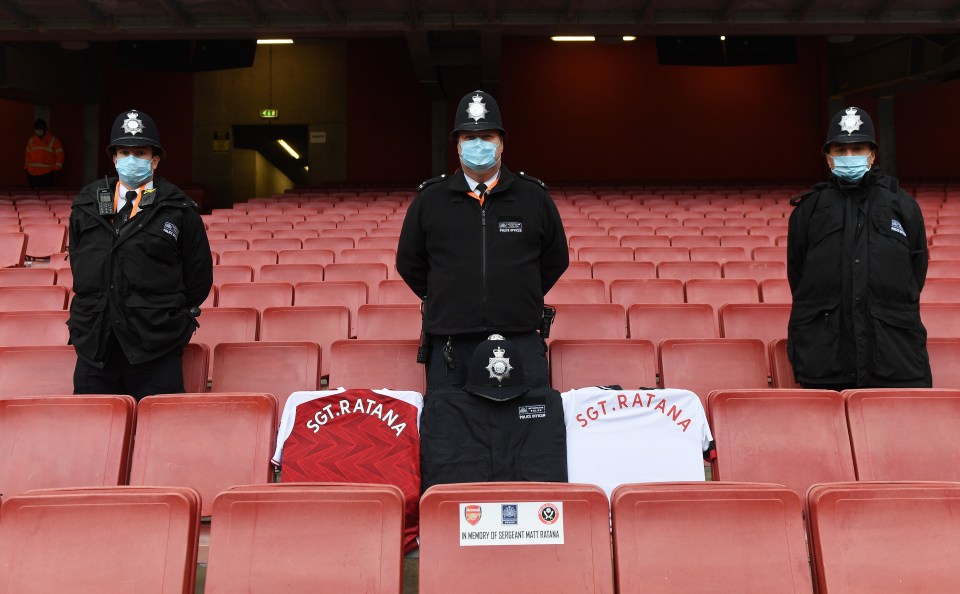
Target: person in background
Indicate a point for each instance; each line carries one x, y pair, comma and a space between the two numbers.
141, 267
43, 158
481, 247
856, 263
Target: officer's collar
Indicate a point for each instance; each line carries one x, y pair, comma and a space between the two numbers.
472, 183
459, 183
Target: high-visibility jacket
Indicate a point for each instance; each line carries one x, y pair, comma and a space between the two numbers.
43, 155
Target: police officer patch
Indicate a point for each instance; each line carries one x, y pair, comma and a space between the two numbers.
171, 229
477, 109
896, 227
499, 366
132, 125
851, 122
508, 514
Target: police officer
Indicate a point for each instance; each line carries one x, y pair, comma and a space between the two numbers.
856, 262
481, 247
141, 268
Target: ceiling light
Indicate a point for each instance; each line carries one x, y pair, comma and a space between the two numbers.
629, 38
274, 41
573, 38
723, 38
288, 148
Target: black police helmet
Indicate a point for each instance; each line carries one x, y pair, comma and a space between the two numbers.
849, 125
40, 124
477, 111
496, 370
134, 128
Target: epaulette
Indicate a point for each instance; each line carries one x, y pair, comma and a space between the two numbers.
533, 179
432, 181
816, 189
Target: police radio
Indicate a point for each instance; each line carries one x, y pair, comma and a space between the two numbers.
105, 202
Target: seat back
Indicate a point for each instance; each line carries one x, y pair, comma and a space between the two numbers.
685, 270
885, 537
254, 543
397, 322
44, 239
88, 541
64, 441
279, 368
702, 365
627, 292
350, 294
208, 442
764, 321
802, 433
942, 320
196, 367
611, 271
592, 320
659, 321
905, 434
19, 277
13, 249
33, 298
944, 354
370, 273
758, 270
322, 324
291, 273
781, 369
42, 328
709, 537
629, 363
392, 291
36, 370
376, 364
259, 295
577, 291
232, 273
567, 528
226, 324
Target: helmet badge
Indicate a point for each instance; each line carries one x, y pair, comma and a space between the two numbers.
132, 125
477, 109
851, 122
499, 366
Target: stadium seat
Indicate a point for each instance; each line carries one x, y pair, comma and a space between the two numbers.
376, 364
390, 322
702, 365
709, 537
694, 241
269, 538
592, 320
802, 435
765, 321
322, 324
719, 291
661, 254
627, 292
943, 269
776, 253
942, 320
33, 298
36, 370
941, 290
279, 368
758, 270
64, 441
944, 354
218, 246
629, 363
370, 273
333, 244
44, 240
644, 239
385, 256
351, 294
781, 370
775, 290
305, 256
252, 258
659, 321
291, 273
107, 539
905, 434
611, 271
395, 291
577, 269
276, 244
582, 241
39, 328
13, 249
450, 514
884, 537
259, 295
604, 254
577, 291
226, 324
196, 365
232, 273
208, 442
20, 277
717, 254
685, 270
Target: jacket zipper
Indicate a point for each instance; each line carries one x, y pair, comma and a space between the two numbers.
483, 263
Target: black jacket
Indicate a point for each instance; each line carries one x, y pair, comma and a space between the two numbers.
140, 282
856, 262
482, 269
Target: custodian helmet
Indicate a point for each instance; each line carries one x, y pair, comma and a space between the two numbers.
134, 128
477, 111
850, 125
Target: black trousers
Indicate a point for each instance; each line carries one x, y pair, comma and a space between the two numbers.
47, 180
441, 373
119, 376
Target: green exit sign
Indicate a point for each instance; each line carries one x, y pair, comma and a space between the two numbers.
269, 113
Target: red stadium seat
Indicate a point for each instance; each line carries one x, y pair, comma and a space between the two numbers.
781, 370
604, 254
44, 240
36, 370
765, 321
802, 434
941, 290
259, 295
577, 270
628, 363
351, 294
943, 269
773, 253
291, 273
659, 321
944, 355
385, 256
702, 365
226, 324
64, 441
279, 368
395, 291
942, 320
20, 277
582, 562
13, 249
611, 271
252, 258
40, 328
603, 320
685, 271
253, 544
717, 254
390, 322
376, 364
232, 273
884, 537
627, 292
322, 324
370, 273
577, 291
925, 441
33, 298
196, 367
717, 292
305, 256
758, 270
661, 254
775, 290
276, 244
709, 537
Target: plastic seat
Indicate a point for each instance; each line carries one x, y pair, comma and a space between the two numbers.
322, 324
13, 249
44, 239
661, 254
884, 537
370, 273
20, 277
376, 364
709, 537
252, 258
581, 563
717, 292
232, 273
764, 321
396, 291
925, 443
259, 295
276, 244
385, 256
644, 239
36, 370
758, 270
611, 271
226, 324
279, 368
305, 256
40, 328
691, 241
702, 365
941, 290
350, 294
380, 242
628, 292
775, 290
87, 541
604, 254
33, 298
630, 363
781, 369
591, 320
802, 433
717, 254
660, 321
581, 241
942, 320
686, 270
333, 244
942, 269
64, 441
577, 291
776, 253
208, 442
291, 273
395, 321
254, 543
944, 354
937, 252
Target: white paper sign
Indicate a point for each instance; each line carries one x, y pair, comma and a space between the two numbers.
511, 523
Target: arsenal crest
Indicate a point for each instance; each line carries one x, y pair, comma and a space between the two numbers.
477, 108
472, 513
132, 125
499, 366
851, 122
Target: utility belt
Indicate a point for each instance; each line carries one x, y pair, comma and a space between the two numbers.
426, 340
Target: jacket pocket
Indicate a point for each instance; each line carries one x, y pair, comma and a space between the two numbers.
814, 340
86, 322
159, 320
900, 353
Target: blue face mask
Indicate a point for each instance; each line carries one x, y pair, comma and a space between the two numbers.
134, 171
851, 168
478, 155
